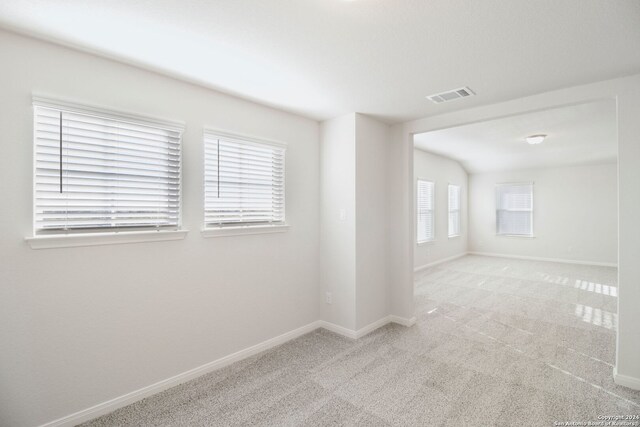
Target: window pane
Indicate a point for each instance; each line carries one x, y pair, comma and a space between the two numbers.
514, 222
514, 209
94, 173
454, 210
244, 182
454, 223
425, 216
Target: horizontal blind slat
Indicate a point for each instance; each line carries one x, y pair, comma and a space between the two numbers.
52, 146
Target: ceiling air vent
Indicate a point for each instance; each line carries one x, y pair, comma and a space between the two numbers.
450, 95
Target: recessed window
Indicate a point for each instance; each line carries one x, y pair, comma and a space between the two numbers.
97, 171
454, 210
425, 217
244, 181
514, 209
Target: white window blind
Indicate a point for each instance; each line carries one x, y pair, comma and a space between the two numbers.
100, 172
514, 209
425, 217
454, 210
244, 182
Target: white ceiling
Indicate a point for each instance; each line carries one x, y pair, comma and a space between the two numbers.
324, 58
577, 135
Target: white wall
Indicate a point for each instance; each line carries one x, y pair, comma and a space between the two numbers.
575, 214
338, 233
628, 343
79, 326
442, 171
372, 241
354, 248
400, 217
626, 92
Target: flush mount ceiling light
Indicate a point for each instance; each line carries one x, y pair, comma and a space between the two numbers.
535, 139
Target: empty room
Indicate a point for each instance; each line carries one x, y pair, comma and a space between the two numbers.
319, 212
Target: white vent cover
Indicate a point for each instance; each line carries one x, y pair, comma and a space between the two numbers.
450, 95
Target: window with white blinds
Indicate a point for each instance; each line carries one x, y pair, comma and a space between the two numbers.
514, 209
244, 181
425, 217
97, 171
454, 210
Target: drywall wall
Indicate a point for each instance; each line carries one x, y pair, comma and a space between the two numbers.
400, 217
353, 228
79, 326
627, 361
626, 92
441, 171
575, 215
372, 245
338, 221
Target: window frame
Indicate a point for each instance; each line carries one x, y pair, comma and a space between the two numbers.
532, 218
433, 211
42, 239
449, 210
239, 228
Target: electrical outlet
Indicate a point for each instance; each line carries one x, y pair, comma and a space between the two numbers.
328, 298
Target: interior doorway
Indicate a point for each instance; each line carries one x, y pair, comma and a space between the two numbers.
515, 239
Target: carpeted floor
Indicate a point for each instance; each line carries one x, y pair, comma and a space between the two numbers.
497, 342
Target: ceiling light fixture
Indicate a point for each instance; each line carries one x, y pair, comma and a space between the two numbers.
535, 139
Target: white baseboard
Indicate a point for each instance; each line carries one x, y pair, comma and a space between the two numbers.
533, 258
340, 330
440, 261
403, 320
354, 335
372, 327
625, 381
129, 398
351, 333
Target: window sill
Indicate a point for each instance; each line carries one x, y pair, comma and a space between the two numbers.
243, 230
515, 236
454, 236
426, 242
95, 239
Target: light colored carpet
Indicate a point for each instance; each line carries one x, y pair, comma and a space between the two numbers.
497, 342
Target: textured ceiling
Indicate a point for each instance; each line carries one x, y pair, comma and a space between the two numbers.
324, 58
577, 135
